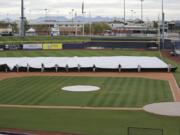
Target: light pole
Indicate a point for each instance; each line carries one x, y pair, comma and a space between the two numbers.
163, 25
72, 21
83, 12
46, 12
124, 11
72, 15
22, 27
90, 25
132, 14
142, 9
75, 16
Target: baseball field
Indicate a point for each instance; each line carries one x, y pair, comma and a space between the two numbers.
36, 102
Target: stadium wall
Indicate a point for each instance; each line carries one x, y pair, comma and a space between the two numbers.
88, 45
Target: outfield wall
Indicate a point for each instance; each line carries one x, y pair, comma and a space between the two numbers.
123, 45
88, 45
112, 45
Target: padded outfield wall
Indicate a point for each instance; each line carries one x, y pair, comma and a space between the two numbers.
112, 45
88, 45
102, 43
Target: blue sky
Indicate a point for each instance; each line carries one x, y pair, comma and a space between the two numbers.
110, 8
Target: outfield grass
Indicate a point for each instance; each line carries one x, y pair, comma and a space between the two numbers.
43, 39
86, 122
115, 92
70, 53
66, 39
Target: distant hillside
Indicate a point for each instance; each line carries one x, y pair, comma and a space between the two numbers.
78, 18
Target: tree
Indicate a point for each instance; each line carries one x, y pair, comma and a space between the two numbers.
97, 28
26, 25
155, 24
15, 27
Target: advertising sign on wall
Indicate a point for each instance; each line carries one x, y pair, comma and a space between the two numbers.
2, 47
53, 46
13, 47
32, 46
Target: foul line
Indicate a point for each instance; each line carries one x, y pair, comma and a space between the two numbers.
70, 107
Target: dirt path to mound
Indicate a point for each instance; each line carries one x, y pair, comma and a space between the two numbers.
159, 76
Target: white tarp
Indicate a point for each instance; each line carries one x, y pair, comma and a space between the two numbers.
126, 62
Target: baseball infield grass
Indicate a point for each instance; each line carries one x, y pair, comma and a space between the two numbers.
114, 92
86, 122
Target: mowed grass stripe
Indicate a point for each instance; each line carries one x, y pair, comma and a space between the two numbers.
60, 97
134, 85
9, 90
41, 93
115, 92
85, 122
164, 94
119, 97
141, 92
32, 94
98, 100
106, 93
124, 93
151, 91
50, 90
27, 87
28, 91
93, 99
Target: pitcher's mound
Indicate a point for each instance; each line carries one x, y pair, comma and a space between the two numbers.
81, 88
166, 109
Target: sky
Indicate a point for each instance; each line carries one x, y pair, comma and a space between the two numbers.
105, 8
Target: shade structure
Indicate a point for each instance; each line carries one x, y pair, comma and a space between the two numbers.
125, 62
